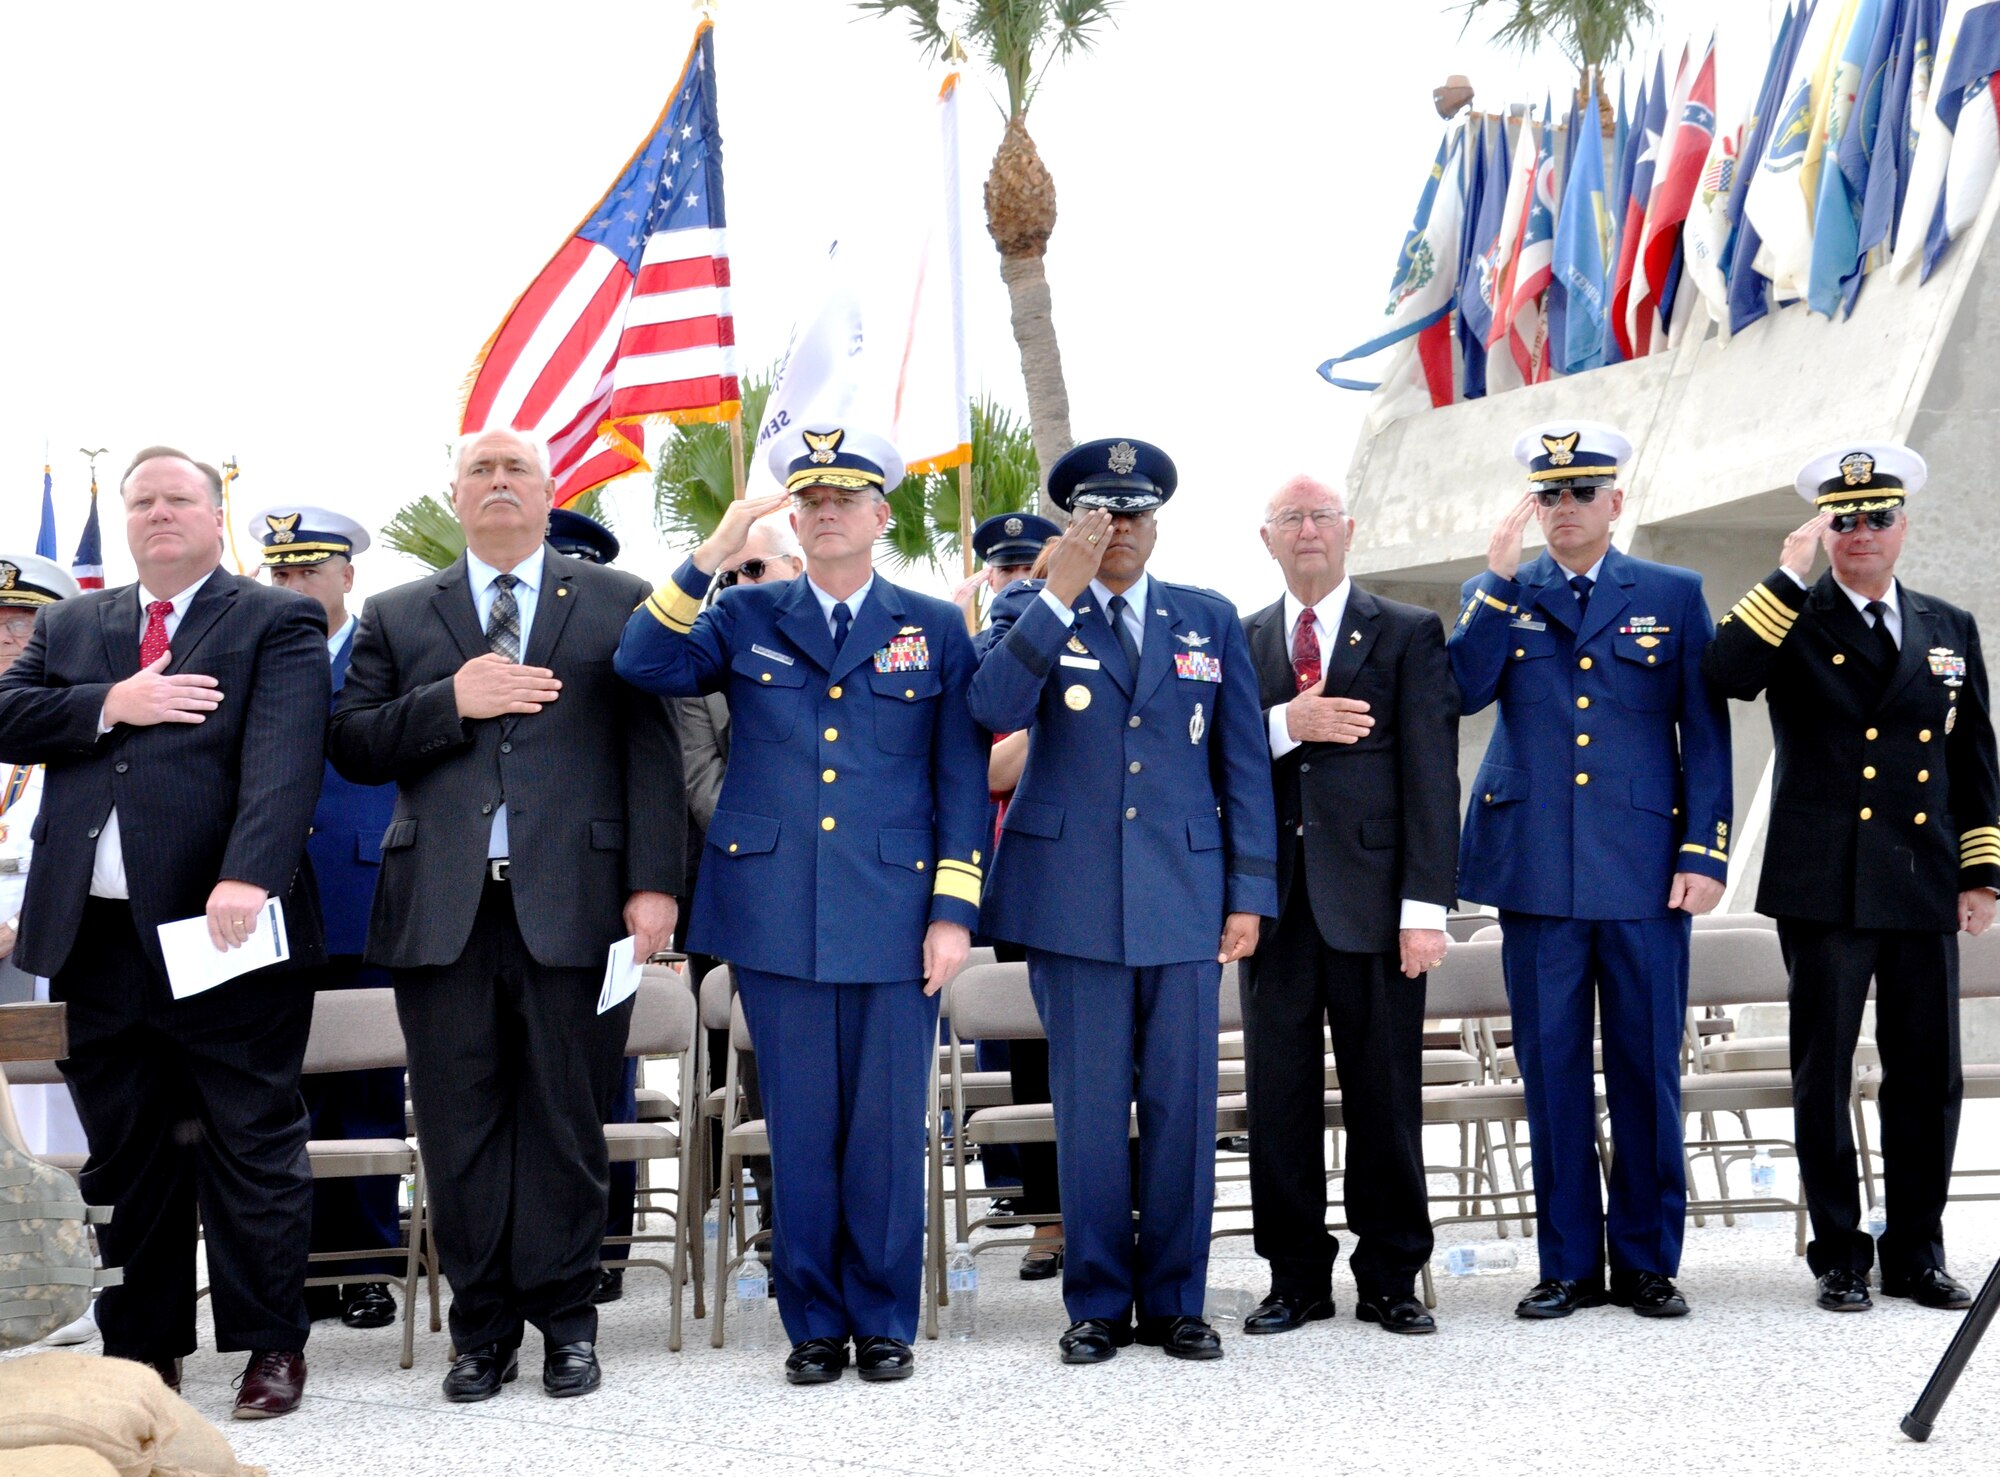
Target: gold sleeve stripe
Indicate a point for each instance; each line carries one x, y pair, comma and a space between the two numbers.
956, 884
1979, 831
1985, 849
1758, 624
1498, 605
674, 606
947, 863
663, 612
1780, 614
1707, 851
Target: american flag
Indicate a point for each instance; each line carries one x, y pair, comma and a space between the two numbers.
630, 319
88, 565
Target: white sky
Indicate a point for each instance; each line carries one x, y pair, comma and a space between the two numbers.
282, 233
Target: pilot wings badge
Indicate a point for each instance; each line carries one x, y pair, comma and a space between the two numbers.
1193, 639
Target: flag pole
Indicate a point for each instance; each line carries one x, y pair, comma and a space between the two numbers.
738, 473
229, 472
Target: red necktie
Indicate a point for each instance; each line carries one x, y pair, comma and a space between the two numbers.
1305, 649
155, 640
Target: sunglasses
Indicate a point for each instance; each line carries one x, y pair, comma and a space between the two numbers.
1878, 520
1551, 497
748, 569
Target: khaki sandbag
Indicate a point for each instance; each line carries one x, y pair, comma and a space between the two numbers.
117, 1408
55, 1461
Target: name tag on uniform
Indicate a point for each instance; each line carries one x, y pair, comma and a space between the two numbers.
770, 655
1197, 666
1090, 663
1523, 623
904, 654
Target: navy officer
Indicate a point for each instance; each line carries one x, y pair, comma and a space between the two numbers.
841, 875
1148, 791
1598, 825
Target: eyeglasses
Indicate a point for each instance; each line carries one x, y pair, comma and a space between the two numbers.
20, 627
1878, 520
752, 569
1292, 520
1551, 497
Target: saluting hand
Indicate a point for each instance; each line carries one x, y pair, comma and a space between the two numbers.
733, 532
945, 948
1802, 543
149, 696
490, 686
1503, 551
966, 596
1239, 937
1314, 718
1078, 554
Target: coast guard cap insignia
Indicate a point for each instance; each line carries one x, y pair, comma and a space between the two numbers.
1561, 449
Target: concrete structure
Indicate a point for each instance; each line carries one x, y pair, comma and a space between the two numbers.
1720, 430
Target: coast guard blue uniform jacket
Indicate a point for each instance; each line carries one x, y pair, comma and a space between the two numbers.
346, 842
1642, 787
856, 783
1183, 821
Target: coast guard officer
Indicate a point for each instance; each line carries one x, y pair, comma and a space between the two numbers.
1008, 543
1147, 802
1885, 842
1598, 824
841, 875
310, 551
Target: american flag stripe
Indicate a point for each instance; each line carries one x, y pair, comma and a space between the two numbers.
631, 319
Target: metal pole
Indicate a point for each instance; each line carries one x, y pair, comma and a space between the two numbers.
738, 474
1923, 1415
965, 537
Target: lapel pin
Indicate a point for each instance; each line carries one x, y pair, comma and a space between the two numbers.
1353, 638
562, 592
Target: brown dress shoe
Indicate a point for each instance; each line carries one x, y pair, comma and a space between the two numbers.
272, 1383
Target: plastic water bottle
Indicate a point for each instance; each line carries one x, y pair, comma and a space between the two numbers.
1480, 1259
752, 1311
1877, 1220
711, 1229
1226, 1304
961, 1280
1764, 1186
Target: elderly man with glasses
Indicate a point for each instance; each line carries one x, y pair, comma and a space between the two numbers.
1884, 845
1598, 824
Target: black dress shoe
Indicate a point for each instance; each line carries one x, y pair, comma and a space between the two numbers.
610, 1286
1933, 1287
478, 1374
1094, 1340
1400, 1313
1183, 1338
369, 1306
879, 1359
1282, 1312
571, 1369
1040, 1263
1843, 1290
1553, 1297
816, 1362
1649, 1294
169, 1370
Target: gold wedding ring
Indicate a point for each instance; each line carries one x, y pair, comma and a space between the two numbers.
1092, 539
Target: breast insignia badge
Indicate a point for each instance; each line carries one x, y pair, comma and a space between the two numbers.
1196, 727
1076, 698
1193, 639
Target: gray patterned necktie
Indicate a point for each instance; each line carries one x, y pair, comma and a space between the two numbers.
503, 626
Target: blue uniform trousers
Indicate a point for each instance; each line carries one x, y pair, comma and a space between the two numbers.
1119, 1034
354, 1215
845, 1071
1562, 973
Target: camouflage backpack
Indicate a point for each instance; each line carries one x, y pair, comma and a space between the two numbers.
47, 1272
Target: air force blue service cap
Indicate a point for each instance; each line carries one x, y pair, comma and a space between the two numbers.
295, 534
1118, 476
1561, 454
28, 581
1864, 478
839, 457
1008, 539
581, 537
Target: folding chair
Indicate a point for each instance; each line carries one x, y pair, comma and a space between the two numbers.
665, 1024
353, 1031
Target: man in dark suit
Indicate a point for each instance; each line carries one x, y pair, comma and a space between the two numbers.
841, 879
1363, 723
1884, 843
1599, 826
182, 722
539, 817
1135, 860
310, 551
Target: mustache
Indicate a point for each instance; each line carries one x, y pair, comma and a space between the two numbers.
501, 496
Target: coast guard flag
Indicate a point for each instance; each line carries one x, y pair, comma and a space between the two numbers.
1837, 211
1968, 103
631, 319
1785, 186
1686, 153
88, 565
1582, 243
1425, 286
45, 541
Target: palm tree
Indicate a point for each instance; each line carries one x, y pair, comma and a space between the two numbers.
692, 484
1588, 32
1019, 39
923, 511
427, 530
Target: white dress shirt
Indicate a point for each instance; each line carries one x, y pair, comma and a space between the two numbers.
1328, 613
17, 844
1135, 607
852, 602
333, 642
480, 575
107, 869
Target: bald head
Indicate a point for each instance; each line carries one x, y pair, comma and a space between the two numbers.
1307, 530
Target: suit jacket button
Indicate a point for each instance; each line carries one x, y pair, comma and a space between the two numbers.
121, 766
1585, 663
1921, 817
1866, 812
93, 833
1133, 721
486, 809
832, 734
506, 748
1870, 734
827, 824
1923, 775
1838, 659
1583, 779
1868, 771
1135, 766
1923, 735
1131, 812
1303, 769
834, 692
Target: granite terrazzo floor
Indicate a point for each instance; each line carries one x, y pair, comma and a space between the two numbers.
1756, 1381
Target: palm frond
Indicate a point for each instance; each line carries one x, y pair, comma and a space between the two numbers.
1019, 39
1588, 32
926, 29
427, 530
924, 511
692, 485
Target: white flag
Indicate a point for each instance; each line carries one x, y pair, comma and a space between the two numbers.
1777, 203
1923, 197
